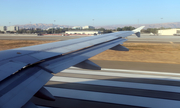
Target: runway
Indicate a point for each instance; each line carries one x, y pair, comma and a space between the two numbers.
126, 87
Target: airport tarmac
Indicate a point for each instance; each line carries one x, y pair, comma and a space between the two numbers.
156, 39
143, 38
117, 85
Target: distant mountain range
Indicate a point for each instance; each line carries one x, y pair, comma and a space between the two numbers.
159, 25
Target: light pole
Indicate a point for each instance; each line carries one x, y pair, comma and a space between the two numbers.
93, 23
9, 26
161, 22
30, 28
161, 26
53, 27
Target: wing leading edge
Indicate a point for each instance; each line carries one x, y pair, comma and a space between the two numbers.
24, 71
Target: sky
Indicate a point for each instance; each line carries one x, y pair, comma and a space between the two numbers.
88, 12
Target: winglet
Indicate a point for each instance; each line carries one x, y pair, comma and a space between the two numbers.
137, 31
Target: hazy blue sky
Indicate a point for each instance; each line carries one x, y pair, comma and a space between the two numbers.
82, 12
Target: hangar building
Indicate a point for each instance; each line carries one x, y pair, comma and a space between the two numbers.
169, 32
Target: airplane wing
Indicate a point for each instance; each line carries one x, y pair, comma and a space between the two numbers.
24, 71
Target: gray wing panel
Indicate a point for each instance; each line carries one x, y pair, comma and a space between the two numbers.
69, 48
64, 62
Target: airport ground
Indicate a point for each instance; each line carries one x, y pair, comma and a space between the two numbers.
123, 83
144, 38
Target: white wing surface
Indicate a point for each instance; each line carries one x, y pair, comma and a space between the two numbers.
24, 71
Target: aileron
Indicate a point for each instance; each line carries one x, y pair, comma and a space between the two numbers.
10, 67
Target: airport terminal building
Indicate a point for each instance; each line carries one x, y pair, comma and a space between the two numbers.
77, 27
9, 28
88, 27
3, 28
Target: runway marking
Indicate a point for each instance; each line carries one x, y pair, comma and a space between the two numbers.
171, 42
86, 72
139, 71
42, 107
114, 98
133, 71
117, 84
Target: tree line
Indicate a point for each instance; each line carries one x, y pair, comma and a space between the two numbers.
41, 31
59, 30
